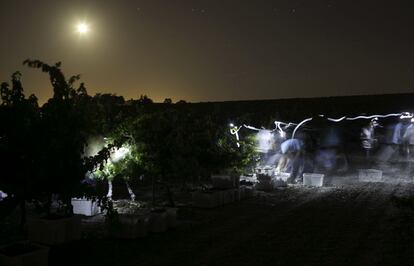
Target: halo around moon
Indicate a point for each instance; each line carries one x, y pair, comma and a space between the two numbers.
82, 28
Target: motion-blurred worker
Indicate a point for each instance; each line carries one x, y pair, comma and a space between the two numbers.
330, 156
408, 144
401, 127
392, 147
2, 195
292, 156
408, 137
368, 137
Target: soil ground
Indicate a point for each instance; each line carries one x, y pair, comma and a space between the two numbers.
347, 224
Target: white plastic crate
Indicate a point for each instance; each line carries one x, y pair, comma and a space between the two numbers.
280, 180
314, 180
369, 175
85, 207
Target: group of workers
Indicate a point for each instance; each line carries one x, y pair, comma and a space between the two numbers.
327, 152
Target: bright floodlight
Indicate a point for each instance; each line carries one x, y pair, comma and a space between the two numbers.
119, 154
82, 28
231, 125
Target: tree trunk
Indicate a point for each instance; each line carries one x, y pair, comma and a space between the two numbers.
109, 195
131, 193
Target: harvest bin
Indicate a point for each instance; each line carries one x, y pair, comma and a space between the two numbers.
85, 207
314, 180
128, 227
280, 180
56, 230
369, 175
264, 182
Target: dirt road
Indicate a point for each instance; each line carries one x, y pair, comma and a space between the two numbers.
350, 225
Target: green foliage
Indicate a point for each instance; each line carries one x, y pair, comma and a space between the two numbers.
125, 167
180, 144
107, 206
236, 158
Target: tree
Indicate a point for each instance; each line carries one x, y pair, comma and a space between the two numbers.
167, 101
19, 117
178, 144
144, 99
123, 162
63, 131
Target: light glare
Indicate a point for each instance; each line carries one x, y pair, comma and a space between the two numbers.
119, 154
82, 28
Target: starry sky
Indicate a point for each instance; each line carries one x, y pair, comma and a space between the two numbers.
214, 50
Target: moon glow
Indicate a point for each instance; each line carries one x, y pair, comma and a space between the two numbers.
82, 28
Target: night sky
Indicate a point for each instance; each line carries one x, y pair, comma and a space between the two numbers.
214, 50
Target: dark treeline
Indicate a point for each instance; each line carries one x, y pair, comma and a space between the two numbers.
264, 112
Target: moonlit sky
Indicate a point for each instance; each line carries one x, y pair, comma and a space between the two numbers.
214, 50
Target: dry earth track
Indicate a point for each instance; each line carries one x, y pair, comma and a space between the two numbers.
349, 225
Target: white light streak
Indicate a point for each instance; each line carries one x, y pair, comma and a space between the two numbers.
235, 131
251, 128
299, 125
373, 116
278, 124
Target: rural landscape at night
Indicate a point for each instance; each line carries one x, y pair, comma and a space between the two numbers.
195, 132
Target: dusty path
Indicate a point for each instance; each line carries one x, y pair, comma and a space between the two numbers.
352, 225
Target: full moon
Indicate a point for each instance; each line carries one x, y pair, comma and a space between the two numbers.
82, 28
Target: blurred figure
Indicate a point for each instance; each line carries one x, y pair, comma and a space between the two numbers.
408, 144
392, 148
330, 157
400, 128
368, 137
293, 158
408, 138
2, 195
265, 146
